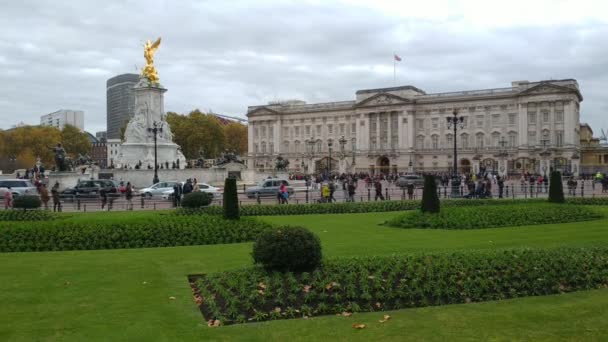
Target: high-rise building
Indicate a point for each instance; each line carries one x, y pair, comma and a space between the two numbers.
102, 136
120, 102
64, 117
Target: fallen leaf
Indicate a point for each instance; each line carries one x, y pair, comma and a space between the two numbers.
307, 288
172, 298
262, 286
277, 309
359, 326
331, 285
198, 300
261, 292
214, 323
386, 318
144, 283
378, 305
67, 283
371, 277
346, 314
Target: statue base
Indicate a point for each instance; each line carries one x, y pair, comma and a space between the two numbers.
68, 179
166, 154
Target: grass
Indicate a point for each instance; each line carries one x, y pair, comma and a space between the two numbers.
101, 295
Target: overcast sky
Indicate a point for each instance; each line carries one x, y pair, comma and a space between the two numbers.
227, 55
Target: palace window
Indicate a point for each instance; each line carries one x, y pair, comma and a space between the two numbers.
479, 140
449, 140
420, 142
271, 132
532, 118
256, 133
512, 139
307, 130
255, 148
297, 147
286, 147
330, 129
435, 123
285, 131
420, 123
319, 129
496, 139
297, 128
532, 138
479, 120
263, 131
495, 120
559, 116
435, 142
271, 147
512, 119
559, 138
545, 116
342, 129
353, 129
319, 146
263, 147
464, 141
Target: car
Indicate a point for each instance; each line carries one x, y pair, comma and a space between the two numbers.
203, 187
404, 180
157, 190
267, 188
91, 189
19, 187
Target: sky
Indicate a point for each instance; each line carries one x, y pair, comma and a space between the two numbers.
226, 55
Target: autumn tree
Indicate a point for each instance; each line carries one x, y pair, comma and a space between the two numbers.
27, 143
197, 132
236, 137
74, 141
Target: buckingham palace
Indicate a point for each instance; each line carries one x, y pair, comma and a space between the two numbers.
529, 126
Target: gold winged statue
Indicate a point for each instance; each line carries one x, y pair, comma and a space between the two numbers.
149, 71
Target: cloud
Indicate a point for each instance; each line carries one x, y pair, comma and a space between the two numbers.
226, 56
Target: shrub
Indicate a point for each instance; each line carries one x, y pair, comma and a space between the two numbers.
30, 215
556, 188
195, 200
26, 202
398, 282
373, 207
59, 235
430, 200
287, 249
231, 201
495, 216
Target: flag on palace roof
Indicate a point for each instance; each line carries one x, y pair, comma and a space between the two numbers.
397, 58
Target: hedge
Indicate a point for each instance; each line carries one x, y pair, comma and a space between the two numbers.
343, 286
495, 216
29, 215
371, 207
170, 231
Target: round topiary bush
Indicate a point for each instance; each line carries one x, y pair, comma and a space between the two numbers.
195, 200
26, 202
287, 249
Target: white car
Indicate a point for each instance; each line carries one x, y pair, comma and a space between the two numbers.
157, 189
204, 187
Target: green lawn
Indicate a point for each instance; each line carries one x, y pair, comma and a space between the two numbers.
101, 295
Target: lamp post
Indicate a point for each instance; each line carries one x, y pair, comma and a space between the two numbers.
353, 151
342, 141
311, 150
157, 127
502, 154
329, 145
453, 122
410, 165
544, 154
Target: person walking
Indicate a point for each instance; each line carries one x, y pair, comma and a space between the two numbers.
55, 196
378, 188
284, 193
501, 186
44, 196
177, 194
104, 198
129, 196
325, 193
332, 190
8, 198
351, 191
410, 190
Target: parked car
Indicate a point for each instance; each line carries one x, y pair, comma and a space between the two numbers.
92, 189
19, 187
404, 180
157, 190
203, 187
268, 187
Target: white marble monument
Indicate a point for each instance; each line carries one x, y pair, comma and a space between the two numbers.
139, 145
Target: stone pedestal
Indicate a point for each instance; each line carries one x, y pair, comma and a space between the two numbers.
67, 179
139, 136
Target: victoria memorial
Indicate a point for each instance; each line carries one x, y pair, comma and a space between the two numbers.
527, 127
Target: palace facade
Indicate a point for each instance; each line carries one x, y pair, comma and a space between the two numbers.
530, 126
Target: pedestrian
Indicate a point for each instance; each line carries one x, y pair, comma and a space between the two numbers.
195, 186
501, 186
332, 190
378, 188
129, 196
177, 194
104, 198
351, 191
187, 187
345, 189
325, 193
56, 199
410, 190
284, 193
8, 198
44, 196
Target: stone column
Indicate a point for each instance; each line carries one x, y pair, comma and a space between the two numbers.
522, 124
569, 122
401, 134
250, 138
410, 129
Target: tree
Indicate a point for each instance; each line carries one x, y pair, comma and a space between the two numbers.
197, 132
430, 200
236, 137
556, 188
74, 141
231, 201
28, 142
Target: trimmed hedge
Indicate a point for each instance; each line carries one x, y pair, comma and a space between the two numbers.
495, 216
170, 231
398, 282
26, 202
195, 200
231, 200
430, 200
287, 249
556, 188
372, 207
30, 215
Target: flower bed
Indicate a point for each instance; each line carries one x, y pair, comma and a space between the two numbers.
168, 231
29, 215
343, 286
372, 207
495, 216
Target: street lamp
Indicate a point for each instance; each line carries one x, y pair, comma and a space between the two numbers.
329, 145
311, 150
342, 141
157, 127
502, 154
544, 154
353, 150
454, 122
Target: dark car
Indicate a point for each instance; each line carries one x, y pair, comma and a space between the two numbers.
268, 187
92, 189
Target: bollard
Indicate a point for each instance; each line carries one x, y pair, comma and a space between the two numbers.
78, 204
461, 191
445, 192
297, 201
583, 189
386, 192
403, 195
507, 190
154, 205
85, 207
369, 195
257, 198
142, 202
306, 195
